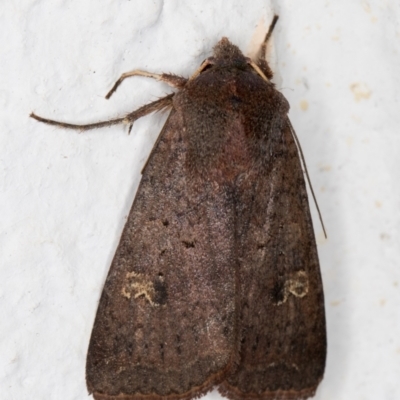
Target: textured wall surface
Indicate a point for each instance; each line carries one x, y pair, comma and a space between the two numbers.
65, 196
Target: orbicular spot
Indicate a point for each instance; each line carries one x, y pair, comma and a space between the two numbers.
278, 292
160, 289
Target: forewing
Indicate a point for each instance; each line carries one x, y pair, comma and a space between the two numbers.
281, 317
165, 325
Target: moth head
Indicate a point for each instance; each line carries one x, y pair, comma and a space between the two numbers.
227, 55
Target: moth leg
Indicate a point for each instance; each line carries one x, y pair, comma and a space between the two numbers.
261, 62
172, 80
77, 127
157, 105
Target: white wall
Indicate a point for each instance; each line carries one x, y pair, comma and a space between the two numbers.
65, 196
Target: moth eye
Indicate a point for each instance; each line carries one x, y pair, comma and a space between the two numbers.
278, 292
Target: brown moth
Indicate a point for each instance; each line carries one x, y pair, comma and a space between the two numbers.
215, 281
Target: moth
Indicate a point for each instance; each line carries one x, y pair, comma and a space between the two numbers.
216, 280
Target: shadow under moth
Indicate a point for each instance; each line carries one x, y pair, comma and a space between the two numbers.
215, 281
